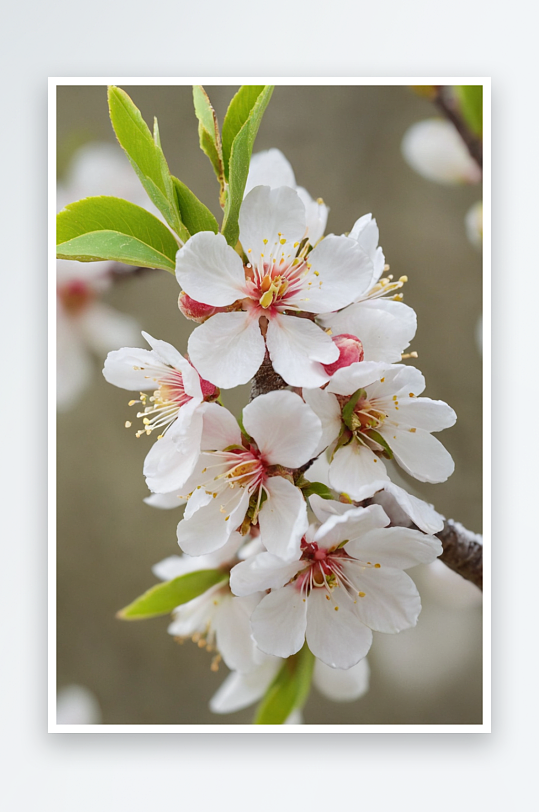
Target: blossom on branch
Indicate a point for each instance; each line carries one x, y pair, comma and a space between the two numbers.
370, 411
275, 295
347, 583
240, 481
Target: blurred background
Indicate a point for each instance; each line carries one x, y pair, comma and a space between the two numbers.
344, 144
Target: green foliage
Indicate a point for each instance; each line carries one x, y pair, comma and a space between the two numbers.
377, 437
195, 215
471, 104
288, 691
208, 132
348, 410
146, 156
237, 114
240, 154
319, 488
98, 228
163, 598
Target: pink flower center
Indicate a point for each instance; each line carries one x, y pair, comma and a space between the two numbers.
271, 286
323, 567
162, 407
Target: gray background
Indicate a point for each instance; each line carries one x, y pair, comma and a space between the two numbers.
344, 144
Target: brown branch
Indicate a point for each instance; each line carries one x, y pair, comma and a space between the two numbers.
462, 552
446, 104
266, 379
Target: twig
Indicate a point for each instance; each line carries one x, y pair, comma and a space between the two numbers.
463, 552
447, 106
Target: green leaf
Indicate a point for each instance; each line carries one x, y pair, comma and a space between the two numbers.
288, 691
237, 114
99, 228
319, 488
471, 105
146, 156
377, 437
195, 215
348, 409
163, 598
208, 132
240, 157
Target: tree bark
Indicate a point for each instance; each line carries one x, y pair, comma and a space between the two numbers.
463, 552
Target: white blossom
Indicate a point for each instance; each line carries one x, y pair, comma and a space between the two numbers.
371, 410
279, 281
239, 483
348, 582
435, 150
173, 410
378, 317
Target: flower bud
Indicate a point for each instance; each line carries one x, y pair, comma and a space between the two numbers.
195, 311
209, 391
350, 351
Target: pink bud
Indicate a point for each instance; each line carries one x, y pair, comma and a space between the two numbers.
209, 391
196, 311
350, 351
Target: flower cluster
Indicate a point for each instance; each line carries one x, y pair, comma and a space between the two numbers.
304, 563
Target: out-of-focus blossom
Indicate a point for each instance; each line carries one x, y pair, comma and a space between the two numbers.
85, 325
76, 705
435, 150
474, 224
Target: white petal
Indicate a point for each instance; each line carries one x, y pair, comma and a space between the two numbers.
165, 501
283, 518
209, 270
241, 690
391, 602
171, 460
208, 529
349, 525
397, 547
384, 332
298, 348
270, 168
402, 508
220, 428
126, 368
268, 216
228, 349
356, 376
334, 632
233, 633
324, 508
326, 406
285, 428
426, 414
316, 214
105, 328
420, 454
73, 363
342, 685
354, 466
279, 621
339, 272
176, 565
435, 150
261, 572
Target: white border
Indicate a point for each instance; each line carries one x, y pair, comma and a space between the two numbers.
485, 727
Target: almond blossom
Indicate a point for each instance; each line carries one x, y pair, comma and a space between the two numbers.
216, 620
383, 323
172, 410
436, 151
347, 583
273, 294
242, 481
370, 411
239, 690
84, 326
